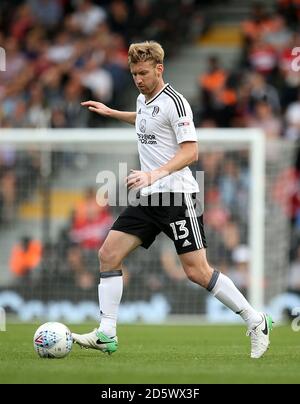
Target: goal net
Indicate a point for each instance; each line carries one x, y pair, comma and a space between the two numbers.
52, 223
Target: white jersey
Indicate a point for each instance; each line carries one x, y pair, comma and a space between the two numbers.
162, 123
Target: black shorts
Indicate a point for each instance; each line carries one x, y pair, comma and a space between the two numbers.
180, 221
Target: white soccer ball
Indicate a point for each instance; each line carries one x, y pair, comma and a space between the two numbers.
52, 340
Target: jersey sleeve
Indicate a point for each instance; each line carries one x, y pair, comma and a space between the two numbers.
181, 119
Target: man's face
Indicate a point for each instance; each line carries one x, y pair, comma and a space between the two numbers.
146, 76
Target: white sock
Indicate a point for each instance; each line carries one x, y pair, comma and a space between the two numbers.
227, 293
110, 292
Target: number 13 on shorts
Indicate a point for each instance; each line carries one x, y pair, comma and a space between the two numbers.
180, 230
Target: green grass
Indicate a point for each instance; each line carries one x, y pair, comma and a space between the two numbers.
155, 354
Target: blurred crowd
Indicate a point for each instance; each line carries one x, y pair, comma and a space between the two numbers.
61, 52
262, 91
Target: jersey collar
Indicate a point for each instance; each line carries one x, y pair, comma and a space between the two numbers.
157, 95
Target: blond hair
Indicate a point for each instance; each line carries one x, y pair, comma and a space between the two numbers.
146, 51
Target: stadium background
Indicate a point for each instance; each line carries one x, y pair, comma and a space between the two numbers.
233, 63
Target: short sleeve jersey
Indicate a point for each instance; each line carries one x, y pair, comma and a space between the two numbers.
162, 123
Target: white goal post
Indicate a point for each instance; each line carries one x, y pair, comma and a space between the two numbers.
124, 140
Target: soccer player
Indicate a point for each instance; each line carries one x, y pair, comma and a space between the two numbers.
167, 144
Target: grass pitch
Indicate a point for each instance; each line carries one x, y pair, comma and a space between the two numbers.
155, 355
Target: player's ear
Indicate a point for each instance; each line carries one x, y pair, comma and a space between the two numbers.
160, 68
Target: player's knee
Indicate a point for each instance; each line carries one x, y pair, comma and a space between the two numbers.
109, 259
199, 274
193, 274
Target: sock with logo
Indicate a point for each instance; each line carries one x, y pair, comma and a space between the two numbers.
226, 292
110, 292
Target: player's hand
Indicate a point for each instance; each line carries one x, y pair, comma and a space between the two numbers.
140, 179
97, 107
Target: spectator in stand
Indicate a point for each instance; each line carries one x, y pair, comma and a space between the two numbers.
87, 17
141, 18
286, 193
292, 119
290, 9
231, 236
8, 195
47, 12
98, 80
52, 84
262, 58
211, 164
225, 105
76, 268
255, 25
76, 117
22, 21
25, 258
260, 90
91, 223
234, 188
15, 60
210, 84
216, 214
58, 119
38, 113
62, 49
18, 115
118, 18
264, 118
116, 66
289, 80
278, 35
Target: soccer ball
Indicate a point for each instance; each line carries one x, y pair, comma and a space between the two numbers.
52, 340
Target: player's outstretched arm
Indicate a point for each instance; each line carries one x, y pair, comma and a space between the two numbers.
104, 110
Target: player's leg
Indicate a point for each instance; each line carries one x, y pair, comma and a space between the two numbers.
198, 271
187, 232
131, 229
111, 255
115, 249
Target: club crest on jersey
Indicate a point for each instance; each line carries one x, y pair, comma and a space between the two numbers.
142, 126
155, 111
